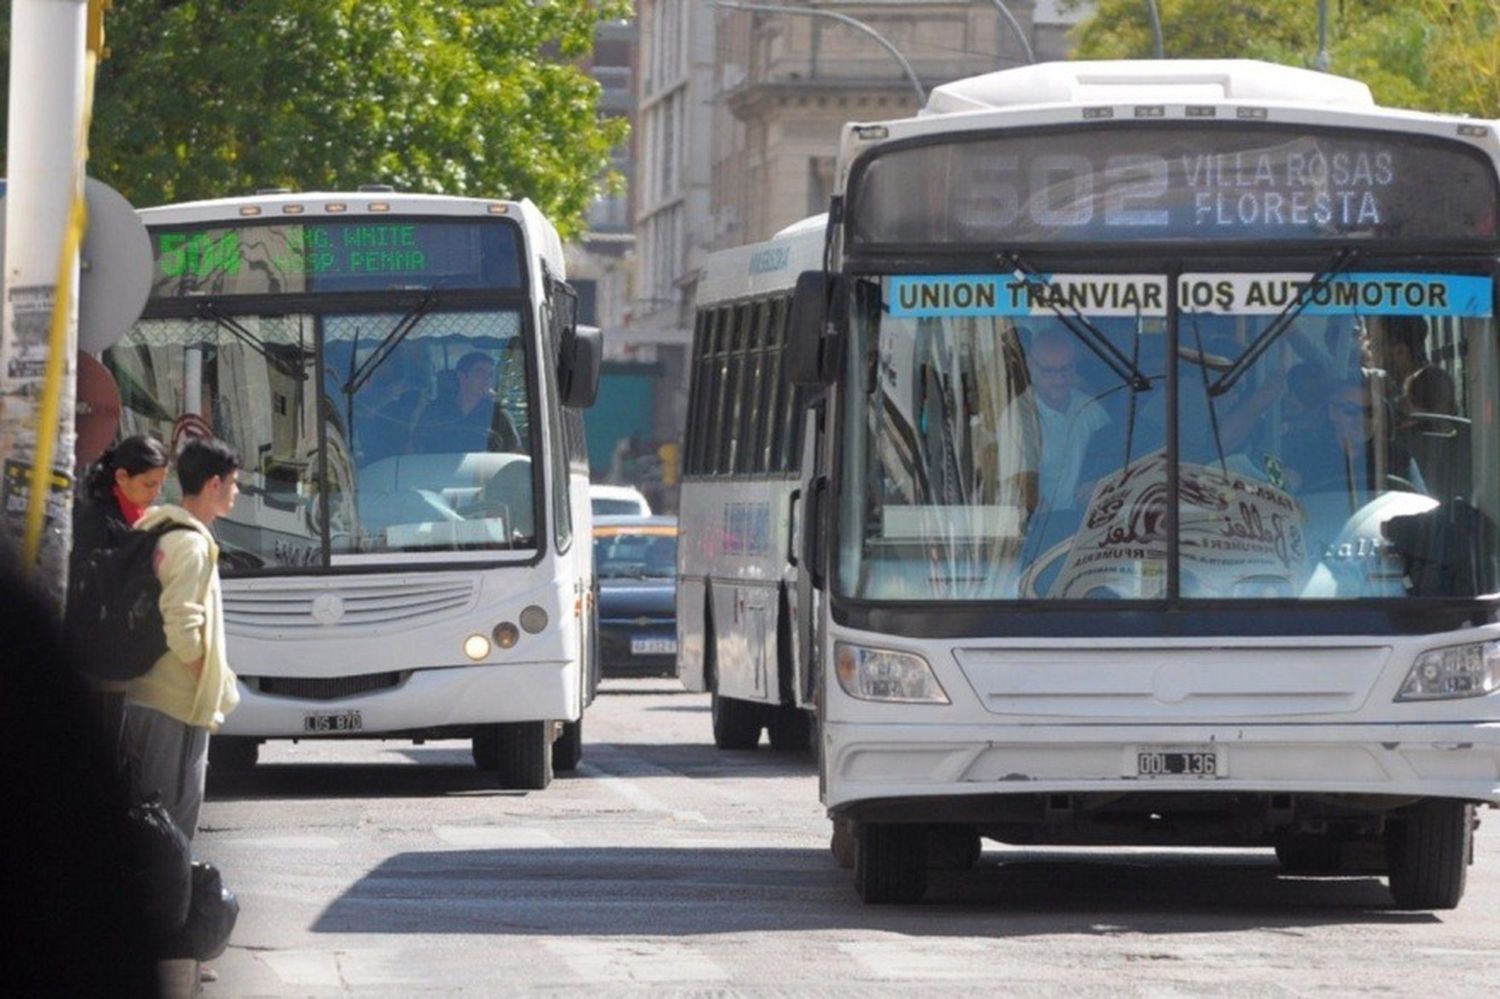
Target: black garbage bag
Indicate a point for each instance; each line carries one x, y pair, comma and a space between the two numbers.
161, 875
210, 918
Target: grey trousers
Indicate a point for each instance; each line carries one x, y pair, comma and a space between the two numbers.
171, 759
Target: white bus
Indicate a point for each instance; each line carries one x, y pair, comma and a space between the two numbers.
1160, 492
738, 602
403, 379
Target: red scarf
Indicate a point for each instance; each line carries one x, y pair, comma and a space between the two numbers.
132, 512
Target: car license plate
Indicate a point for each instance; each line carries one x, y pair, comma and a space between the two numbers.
1175, 762
653, 646
343, 721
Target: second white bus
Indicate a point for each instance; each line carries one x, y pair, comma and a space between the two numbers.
740, 608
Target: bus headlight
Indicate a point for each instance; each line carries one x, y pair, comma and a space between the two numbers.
506, 635
883, 675
533, 619
476, 647
1453, 672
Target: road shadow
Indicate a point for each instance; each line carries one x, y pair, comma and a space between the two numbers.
414, 772
704, 891
698, 760
448, 768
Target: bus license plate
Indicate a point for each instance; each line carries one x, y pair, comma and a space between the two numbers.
343, 721
1179, 763
653, 646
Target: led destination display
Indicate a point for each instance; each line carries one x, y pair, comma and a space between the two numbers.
1165, 183
333, 256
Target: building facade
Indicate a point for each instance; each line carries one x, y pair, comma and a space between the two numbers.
738, 117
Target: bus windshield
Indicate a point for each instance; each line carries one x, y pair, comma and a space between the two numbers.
426, 448
993, 452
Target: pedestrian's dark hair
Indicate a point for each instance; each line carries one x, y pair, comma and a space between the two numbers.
471, 360
136, 455
201, 459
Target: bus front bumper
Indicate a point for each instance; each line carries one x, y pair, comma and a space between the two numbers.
925, 764
420, 701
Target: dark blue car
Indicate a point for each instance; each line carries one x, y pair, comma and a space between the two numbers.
635, 563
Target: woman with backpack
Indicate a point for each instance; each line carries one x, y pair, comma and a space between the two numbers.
116, 493
119, 488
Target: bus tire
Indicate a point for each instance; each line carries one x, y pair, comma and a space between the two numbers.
890, 864
1429, 853
737, 723
790, 729
844, 843
567, 751
525, 749
232, 754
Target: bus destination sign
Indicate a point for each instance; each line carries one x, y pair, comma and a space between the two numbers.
294, 258
1174, 183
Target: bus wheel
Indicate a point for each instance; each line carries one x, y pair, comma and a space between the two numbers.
890, 864
791, 729
525, 750
844, 843
737, 723
567, 751
1429, 852
232, 754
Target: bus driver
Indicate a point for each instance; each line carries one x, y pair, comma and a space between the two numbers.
469, 419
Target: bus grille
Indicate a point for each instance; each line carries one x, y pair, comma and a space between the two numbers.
331, 688
349, 601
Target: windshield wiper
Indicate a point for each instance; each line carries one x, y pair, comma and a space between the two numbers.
210, 311
1078, 324
1282, 322
388, 345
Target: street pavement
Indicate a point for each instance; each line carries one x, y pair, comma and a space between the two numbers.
666, 867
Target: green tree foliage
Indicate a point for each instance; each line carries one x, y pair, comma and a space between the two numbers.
209, 98
1433, 55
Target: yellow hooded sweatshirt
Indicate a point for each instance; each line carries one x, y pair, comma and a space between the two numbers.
187, 563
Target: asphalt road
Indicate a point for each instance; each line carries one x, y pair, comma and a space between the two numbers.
664, 866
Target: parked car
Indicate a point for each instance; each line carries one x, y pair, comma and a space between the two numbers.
609, 501
635, 566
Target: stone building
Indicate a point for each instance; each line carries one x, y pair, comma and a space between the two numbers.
738, 117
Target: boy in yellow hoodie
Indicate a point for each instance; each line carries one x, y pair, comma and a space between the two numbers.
170, 711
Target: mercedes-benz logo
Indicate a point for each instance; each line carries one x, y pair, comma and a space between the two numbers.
328, 608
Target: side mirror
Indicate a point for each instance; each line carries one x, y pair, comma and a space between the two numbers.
578, 368
816, 329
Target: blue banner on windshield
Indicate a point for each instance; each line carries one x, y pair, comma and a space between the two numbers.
1358, 294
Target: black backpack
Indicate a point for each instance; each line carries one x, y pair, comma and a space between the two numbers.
114, 624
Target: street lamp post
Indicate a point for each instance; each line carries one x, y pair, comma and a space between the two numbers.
1322, 36
1016, 27
1155, 16
858, 25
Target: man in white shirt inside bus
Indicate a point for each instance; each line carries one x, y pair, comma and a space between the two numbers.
1069, 419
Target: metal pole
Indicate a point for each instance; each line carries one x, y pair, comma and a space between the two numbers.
44, 176
1322, 36
911, 75
1155, 16
1016, 27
